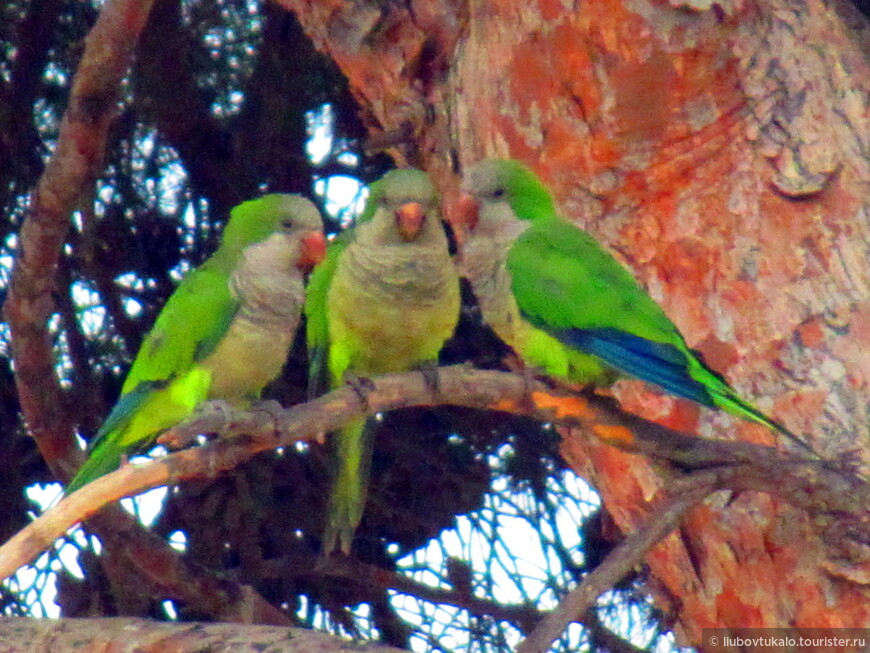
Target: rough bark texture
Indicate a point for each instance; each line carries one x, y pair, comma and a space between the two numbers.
721, 150
144, 636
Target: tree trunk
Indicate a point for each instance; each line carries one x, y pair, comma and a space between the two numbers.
720, 150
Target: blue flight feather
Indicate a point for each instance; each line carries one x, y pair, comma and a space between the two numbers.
654, 362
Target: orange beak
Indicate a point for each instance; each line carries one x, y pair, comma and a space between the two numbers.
312, 248
409, 220
467, 212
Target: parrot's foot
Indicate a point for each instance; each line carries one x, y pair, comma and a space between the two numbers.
337, 543
216, 409
429, 370
530, 376
214, 406
213, 410
272, 408
362, 386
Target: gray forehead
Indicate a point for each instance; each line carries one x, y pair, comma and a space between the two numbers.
300, 210
408, 184
481, 177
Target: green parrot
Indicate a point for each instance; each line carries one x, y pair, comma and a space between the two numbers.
384, 300
223, 334
565, 305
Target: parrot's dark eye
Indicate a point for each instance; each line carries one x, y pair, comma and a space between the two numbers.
498, 193
287, 224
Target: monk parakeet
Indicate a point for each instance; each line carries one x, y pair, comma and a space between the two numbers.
223, 334
563, 303
384, 300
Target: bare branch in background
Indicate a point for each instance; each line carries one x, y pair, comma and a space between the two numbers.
69, 175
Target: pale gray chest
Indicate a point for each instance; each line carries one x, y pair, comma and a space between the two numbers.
406, 275
484, 264
268, 287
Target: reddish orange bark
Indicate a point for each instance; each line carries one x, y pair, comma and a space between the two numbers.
718, 152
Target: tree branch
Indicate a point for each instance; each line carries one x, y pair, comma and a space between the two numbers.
630, 553
71, 172
20, 634
816, 486
159, 570
523, 616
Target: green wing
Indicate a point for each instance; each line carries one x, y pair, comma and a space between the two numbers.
164, 382
563, 279
317, 316
192, 322
568, 286
316, 312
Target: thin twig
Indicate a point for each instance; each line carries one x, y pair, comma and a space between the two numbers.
630, 553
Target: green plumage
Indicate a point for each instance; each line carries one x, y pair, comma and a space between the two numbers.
382, 301
552, 293
223, 334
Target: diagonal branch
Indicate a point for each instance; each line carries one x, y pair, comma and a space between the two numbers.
164, 572
816, 486
630, 553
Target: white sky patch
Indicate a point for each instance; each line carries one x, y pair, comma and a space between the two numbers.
344, 197
633, 619
92, 314
513, 546
320, 125
167, 188
178, 541
55, 75
349, 159
36, 583
147, 506
169, 609
132, 307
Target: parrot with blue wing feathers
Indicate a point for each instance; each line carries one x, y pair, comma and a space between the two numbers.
564, 304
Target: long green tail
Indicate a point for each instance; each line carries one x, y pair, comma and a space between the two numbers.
726, 398
353, 459
105, 458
